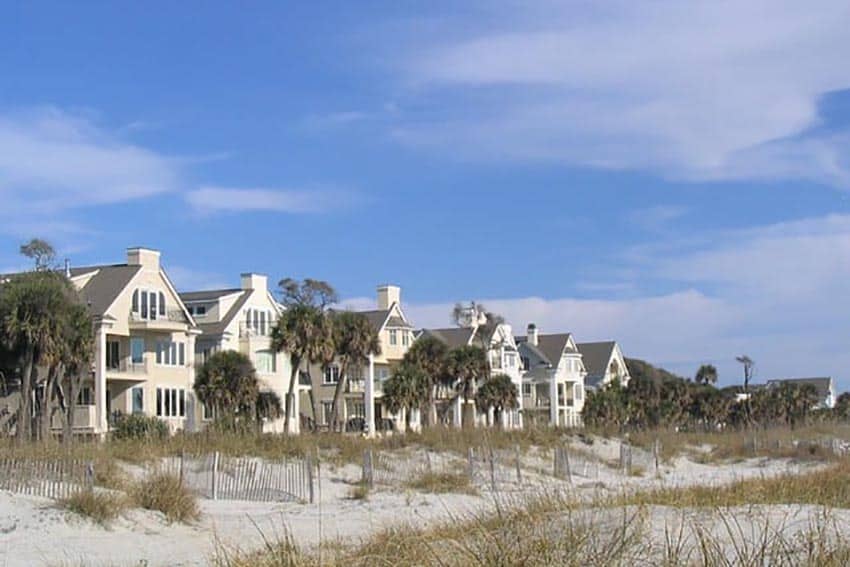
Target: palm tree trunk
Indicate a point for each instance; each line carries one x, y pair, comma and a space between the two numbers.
289, 404
314, 403
340, 384
24, 426
47, 402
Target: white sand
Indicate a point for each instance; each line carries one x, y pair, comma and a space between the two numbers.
33, 531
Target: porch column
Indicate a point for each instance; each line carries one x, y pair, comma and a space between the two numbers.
369, 397
554, 408
520, 403
192, 407
457, 419
101, 425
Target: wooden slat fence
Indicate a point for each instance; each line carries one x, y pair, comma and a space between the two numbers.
221, 477
494, 467
395, 469
48, 478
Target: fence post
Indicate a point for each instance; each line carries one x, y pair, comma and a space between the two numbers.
518, 464
182, 453
309, 465
656, 453
470, 457
368, 471
492, 470
90, 476
428, 461
215, 476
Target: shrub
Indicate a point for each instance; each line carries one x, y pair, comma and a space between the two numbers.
102, 507
359, 491
137, 426
165, 493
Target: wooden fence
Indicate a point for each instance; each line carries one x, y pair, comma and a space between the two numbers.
48, 478
220, 477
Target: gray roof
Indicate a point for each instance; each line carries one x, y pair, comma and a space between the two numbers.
103, 288
453, 337
376, 317
207, 295
398, 322
549, 347
822, 385
595, 357
218, 327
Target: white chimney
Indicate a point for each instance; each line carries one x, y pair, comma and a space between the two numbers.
255, 281
144, 257
67, 268
532, 334
387, 295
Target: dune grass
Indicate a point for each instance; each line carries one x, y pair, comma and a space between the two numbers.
100, 506
442, 483
165, 493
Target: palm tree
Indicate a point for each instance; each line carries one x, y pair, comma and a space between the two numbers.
707, 374
354, 340
747, 362
305, 332
227, 382
77, 362
498, 393
406, 390
428, 355
32, 309
467, 365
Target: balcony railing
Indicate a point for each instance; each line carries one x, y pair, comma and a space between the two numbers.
127, 366
170, 315
247, 329
84, 418
355, 386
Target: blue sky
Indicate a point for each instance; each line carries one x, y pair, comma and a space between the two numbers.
672, 176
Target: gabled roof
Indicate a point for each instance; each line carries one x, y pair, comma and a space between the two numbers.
104, 287
218, 327
822, 385
549, 347
453, 337
207, 295
596, 357
377, 317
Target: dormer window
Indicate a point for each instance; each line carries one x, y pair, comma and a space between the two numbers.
148, 305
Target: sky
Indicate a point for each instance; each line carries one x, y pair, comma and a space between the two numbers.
671, 175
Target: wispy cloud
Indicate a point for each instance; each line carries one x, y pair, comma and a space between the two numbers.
701, 90
776, 292
189, 279
657, 217
207, 200
52, 160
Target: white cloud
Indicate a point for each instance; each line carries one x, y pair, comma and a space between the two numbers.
220, 199
699, 90
778, 293
52, 160
188, 279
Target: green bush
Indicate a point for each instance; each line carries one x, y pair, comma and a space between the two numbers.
137, 426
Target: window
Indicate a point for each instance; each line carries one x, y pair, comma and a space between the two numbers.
169, 353
526, 390
383, 373
356, 409
85, 397
579, 391
331, 375
405, 338
113, 361
198, 311
170, 402
208, 413
147, 305
265, 360
258, 321
393, 337
138, 400
510, 360
327, 407
137, 350
526, 363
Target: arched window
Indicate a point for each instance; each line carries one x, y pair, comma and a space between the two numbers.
136, 301
162, 304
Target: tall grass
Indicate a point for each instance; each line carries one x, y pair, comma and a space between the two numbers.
100, 506
165, 493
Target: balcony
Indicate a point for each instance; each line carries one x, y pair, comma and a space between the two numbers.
128, 369
172, 320
355, 386
249, 330
84, 418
